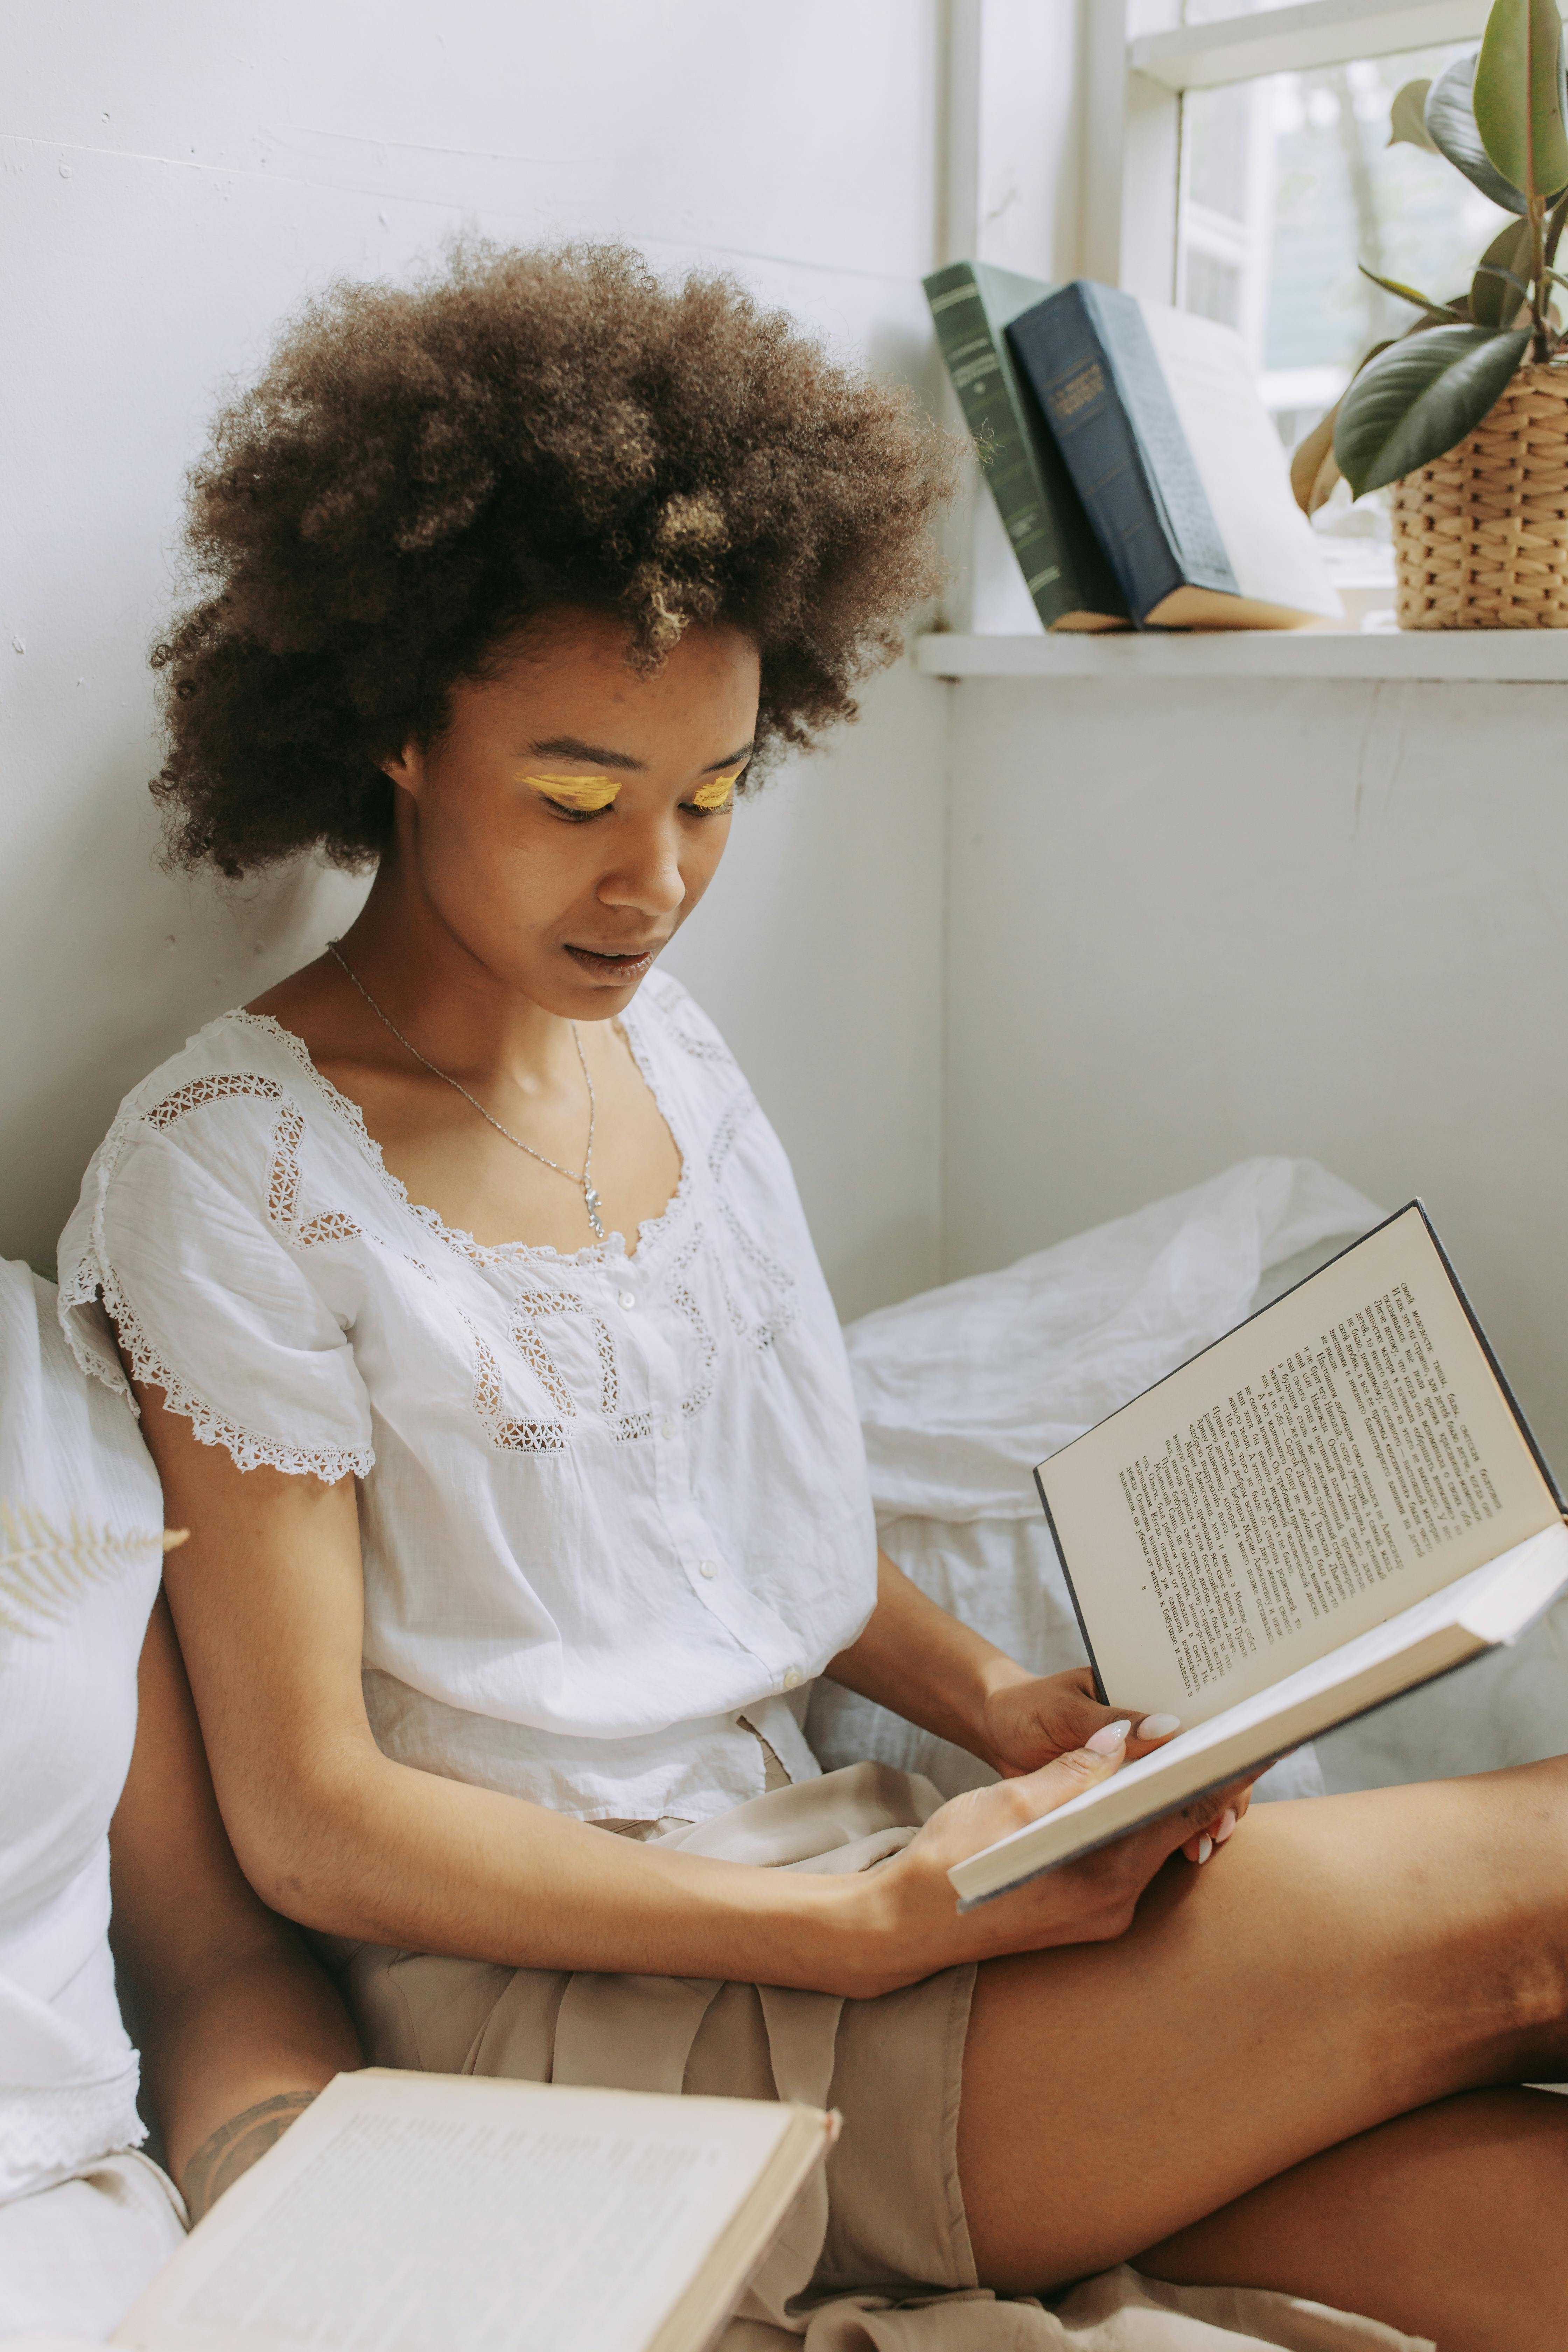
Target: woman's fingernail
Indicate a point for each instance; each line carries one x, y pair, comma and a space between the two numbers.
1159, 1727
1224, 1825
1205, 1846
1107, 1738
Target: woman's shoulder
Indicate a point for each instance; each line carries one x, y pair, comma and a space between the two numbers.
191, 1245
665, 1012
244, 1062
237, 1056
218, 1103
207, 1128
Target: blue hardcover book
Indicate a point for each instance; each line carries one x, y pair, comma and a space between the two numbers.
1177, 463
1063, 564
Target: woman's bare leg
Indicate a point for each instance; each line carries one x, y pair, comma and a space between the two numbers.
1451, 2222
1341, 1961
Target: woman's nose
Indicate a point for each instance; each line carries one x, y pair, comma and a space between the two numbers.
647, 874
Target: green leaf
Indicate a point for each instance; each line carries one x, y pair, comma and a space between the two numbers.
1415, 401
1407, 120
1450, 118
1313, 472
1504, 264
1407, 293
1518, 97
1506, 284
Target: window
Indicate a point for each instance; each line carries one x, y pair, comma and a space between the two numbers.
1288, 182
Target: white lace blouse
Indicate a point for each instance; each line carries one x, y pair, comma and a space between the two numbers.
609, 1504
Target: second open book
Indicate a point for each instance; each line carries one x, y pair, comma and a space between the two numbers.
410, 2212
1337, 1501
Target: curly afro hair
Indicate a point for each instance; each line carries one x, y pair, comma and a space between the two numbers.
419, 471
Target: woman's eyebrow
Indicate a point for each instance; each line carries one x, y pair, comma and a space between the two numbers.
571, 746
568, 747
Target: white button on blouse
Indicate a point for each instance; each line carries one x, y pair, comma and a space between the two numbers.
528, 1517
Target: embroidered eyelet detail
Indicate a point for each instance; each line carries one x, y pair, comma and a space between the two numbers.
529, 1344
484, 1253
283, 1176
621, 1425
96, 1277
724, 1134
511, 1437
681, 1299
761, 1335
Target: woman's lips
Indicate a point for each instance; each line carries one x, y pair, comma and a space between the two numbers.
600, 966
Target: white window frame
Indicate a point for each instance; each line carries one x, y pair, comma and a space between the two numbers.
1139, 60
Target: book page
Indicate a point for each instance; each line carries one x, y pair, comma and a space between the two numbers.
1240, 462
423, 2212
1331, 1461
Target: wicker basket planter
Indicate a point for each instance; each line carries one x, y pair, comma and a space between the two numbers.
1481, 536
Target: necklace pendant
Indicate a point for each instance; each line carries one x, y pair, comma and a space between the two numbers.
591, 1202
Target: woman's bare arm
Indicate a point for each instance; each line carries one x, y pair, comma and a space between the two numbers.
912, 1658
269, 1598
238, 2027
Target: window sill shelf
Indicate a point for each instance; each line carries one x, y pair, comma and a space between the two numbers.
1451, 657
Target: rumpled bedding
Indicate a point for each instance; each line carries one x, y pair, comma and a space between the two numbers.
962, 1390
1117, 2312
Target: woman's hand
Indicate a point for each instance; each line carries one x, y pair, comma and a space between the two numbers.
912, 1658
1030, 1723
909, 1925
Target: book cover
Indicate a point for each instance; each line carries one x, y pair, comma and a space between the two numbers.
1065, 569
1159, 423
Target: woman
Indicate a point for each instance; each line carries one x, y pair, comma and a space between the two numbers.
103, 1778
482, 1349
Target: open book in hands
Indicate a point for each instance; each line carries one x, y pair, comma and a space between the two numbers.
1335, 1502
460, 2213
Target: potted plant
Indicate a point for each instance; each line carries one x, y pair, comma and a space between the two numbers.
1466, 413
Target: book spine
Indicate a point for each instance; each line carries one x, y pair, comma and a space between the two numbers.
1059, 352
1167, 457
1059, 579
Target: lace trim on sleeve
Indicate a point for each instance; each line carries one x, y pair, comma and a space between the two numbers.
92, 1277
58, 2128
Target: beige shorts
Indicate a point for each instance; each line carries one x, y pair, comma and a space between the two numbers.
889, 2215
885, 2220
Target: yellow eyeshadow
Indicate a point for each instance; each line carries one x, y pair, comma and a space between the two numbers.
717, 789
587, 794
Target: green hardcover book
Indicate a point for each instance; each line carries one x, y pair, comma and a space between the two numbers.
1065, 570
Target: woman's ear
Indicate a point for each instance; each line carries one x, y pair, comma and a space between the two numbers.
406, 770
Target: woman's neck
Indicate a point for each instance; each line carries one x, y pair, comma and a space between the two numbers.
424, 979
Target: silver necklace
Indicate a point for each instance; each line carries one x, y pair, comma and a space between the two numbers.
585, 1181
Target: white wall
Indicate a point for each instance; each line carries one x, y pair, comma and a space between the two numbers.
1183, 923
1189, 923
178, 174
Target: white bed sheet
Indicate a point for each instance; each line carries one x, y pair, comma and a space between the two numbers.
962, 1390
